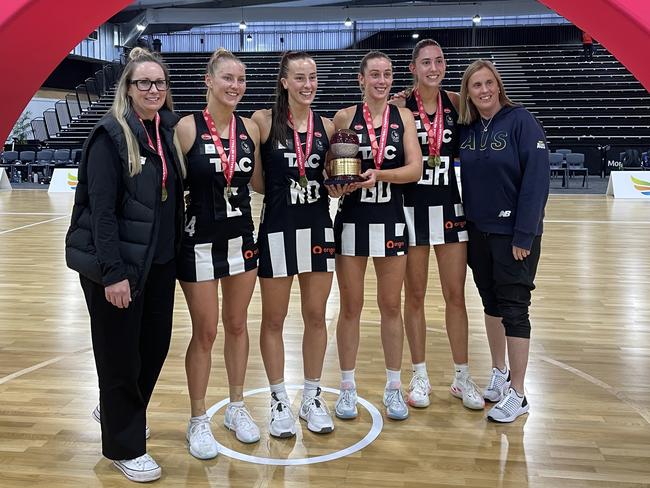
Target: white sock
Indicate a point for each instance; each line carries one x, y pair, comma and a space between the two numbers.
240, 403
347, 378
420, 368
311, 388
280, 390
393, 379
199, 418
461, 369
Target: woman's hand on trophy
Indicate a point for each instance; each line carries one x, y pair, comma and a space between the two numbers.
337, 191
369, 179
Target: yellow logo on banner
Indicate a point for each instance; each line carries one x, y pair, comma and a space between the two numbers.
72, 181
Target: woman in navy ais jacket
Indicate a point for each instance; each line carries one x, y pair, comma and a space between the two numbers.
505, 180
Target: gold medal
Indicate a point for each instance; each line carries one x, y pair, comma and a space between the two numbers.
431, 162
228, 191
164, 194
437, 160
303, 181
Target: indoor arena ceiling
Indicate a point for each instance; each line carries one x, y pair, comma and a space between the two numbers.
160, 15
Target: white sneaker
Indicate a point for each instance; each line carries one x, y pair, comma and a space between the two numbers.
508, 409
498, 386
346, 404
282, 423
315, 412
98, 418
463, 387
140, 469
200, 440
239, 420
418, 392
396, 408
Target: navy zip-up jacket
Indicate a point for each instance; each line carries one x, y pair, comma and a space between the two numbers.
505, 175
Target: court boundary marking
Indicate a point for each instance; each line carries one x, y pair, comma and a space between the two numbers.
373, 433
33, 224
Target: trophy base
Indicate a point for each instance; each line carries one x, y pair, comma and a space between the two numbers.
344, 180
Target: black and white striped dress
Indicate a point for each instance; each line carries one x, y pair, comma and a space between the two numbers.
295, 233
370, 221
432, 206
219, 236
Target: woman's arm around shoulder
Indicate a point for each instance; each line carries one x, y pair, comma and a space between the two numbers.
343, 117
455, 99
263, 120
255, 127
186, 130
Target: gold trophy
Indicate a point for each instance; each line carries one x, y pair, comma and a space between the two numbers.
344, 167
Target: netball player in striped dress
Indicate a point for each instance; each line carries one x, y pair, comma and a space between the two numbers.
295, 238
218, 246
371, 223
435, 217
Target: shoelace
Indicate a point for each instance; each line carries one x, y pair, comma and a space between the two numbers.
319, 406
419, 383
202, 431
394, 397
496, 378
279, 409
242, 415
141, 461
509, 404
346, 398
472, 388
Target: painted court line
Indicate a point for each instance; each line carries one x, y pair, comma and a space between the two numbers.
32, 225
25, 371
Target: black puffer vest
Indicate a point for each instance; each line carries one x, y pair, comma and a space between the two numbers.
137, 210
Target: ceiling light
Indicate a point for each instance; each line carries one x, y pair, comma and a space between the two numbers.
476, 19
415, 35
242, 25
348, 22
249, 38
140, 27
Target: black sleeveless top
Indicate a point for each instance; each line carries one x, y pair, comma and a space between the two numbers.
383, 202
437, 186
286, 204
206, 182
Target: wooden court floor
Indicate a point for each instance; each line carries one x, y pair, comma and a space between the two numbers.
588, 382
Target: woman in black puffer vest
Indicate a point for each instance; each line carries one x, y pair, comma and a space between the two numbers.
123, 239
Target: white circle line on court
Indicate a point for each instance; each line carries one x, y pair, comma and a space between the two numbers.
375, 430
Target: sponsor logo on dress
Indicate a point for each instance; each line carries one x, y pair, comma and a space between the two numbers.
358, 127
245, 147
206, 137
394, 136
505, 213
394, 126
317, 134
243, 137
541, 145
447, 110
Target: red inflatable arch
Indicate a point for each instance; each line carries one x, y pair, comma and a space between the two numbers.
35, 35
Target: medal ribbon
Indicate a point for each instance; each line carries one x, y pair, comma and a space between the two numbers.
227, 162
434, 133
158, 149
377, 150
301, 157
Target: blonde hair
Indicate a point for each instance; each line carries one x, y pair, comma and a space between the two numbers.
121, 107
468, 112
217, 56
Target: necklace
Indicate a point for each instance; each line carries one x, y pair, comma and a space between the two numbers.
485, 126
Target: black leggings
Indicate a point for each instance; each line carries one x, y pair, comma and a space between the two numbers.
130, 346
503, 282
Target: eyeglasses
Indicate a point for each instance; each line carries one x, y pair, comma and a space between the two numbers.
145, 85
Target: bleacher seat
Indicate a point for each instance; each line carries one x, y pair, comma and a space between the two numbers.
575, 163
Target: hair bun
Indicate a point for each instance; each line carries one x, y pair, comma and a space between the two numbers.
139, 52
